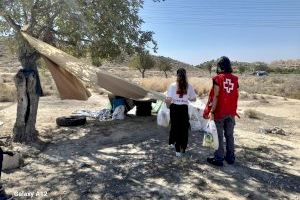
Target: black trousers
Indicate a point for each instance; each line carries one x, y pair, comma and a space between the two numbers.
179, 116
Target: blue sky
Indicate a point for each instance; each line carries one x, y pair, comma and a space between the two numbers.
194, 31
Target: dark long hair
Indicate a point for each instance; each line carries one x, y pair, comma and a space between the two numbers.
224, 65
182, 83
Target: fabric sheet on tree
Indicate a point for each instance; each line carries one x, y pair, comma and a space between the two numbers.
72, 76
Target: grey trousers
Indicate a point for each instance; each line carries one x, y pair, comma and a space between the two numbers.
225, 128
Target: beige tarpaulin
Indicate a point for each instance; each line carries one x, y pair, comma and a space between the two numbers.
66, 70
126, 89
67, 84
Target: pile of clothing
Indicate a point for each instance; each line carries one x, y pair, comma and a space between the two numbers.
119, 107
102, 115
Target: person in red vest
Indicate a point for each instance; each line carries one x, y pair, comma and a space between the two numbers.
222, 108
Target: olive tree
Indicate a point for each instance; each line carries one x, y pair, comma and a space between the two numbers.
142, 61
101, 29
164, 65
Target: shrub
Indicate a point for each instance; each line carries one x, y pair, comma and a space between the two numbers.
254, 96
8, 92
252, 114
263, 99
243, 95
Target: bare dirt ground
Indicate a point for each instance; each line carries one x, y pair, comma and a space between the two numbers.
130, 159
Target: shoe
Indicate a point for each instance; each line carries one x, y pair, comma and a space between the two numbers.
178, 154
230, 161
215, 162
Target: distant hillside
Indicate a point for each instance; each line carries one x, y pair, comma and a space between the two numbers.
286, 64
177, 64
125, 59
281, 66
119, 67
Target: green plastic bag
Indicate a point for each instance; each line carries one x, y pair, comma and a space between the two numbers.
156, 106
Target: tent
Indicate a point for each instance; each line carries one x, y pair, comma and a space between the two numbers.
73, 76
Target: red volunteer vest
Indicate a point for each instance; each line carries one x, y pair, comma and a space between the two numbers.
227, 99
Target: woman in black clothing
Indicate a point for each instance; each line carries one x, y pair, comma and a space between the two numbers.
178, 96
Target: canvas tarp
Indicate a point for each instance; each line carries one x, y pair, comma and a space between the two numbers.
126, 89
68, 86
67, 70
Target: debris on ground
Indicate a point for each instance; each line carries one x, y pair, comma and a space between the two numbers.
102, 115
276, 130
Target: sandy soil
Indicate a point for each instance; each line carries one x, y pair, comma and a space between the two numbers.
130, 159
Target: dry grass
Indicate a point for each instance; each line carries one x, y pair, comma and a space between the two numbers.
8, 92
49, 90
7, 78
287, 85
201, 85
243, 95
47, 83
279, 85
158, 84
252, 114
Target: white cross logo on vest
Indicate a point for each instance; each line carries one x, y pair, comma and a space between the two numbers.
228, 86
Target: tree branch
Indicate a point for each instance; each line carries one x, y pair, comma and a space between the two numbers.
59, 33
66, 42
12, 23
49, 22
22, 7
25, 16
33, 15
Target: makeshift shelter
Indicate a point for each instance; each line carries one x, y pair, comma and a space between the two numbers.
72, 76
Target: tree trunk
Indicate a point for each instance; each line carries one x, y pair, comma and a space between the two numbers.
28, 92
166, 75
143, 74
24, 129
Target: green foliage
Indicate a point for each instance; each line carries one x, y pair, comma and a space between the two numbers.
261, 66
142, 61
208, 65
102, 29
164, 65
242, 69
282, 70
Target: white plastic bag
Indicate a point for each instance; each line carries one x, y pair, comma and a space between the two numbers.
132, 111
197, 122
163, 116
119, 113
210, 138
